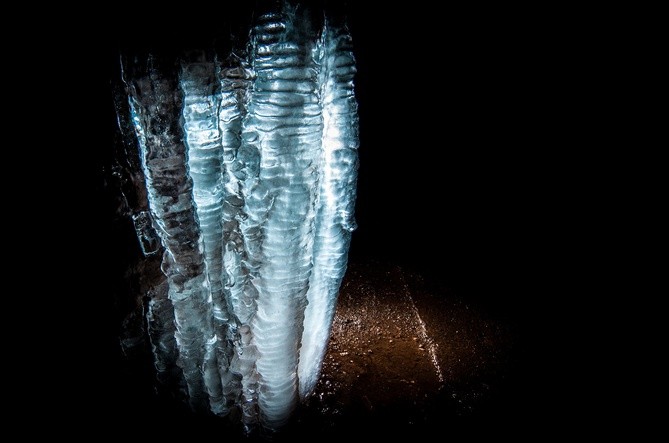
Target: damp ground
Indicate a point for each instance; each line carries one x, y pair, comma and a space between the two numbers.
408, 355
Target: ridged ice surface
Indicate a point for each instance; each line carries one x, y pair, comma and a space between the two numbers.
335, 200
202, 100
250, 163
284, 127
156, 104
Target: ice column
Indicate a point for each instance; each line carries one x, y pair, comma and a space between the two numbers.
335, 201
250, 164
284, 128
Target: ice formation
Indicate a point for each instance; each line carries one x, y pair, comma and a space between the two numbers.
250, 166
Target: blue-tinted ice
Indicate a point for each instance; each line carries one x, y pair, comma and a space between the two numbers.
250, 164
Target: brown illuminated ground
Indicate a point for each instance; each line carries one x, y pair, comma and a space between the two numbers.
405, 355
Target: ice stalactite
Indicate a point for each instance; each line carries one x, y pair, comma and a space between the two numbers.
202, 101
284, 127
156, 104
235, 78
250, 165
335, 201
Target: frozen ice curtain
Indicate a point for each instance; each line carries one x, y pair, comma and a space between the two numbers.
249, 163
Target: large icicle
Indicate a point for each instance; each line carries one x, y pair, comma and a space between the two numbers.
235, 78
202, 100
156, 103
284, 130
336, 200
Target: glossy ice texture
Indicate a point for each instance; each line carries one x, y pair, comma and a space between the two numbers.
250, 165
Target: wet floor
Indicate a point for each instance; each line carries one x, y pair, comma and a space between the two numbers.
405, 355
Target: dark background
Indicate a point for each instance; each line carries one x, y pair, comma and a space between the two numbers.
453, 143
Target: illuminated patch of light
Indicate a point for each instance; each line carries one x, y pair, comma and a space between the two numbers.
425, 338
